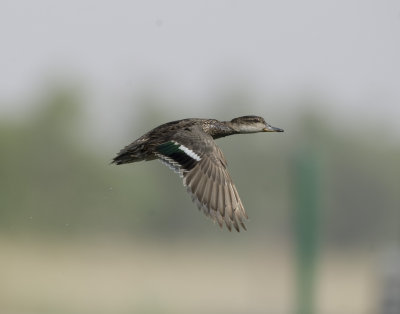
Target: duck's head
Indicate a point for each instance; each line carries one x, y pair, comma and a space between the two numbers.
252, 124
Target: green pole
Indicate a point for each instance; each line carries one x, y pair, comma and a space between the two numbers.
306, 191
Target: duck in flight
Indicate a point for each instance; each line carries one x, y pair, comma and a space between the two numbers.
187, 146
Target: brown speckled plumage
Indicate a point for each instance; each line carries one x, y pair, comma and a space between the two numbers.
187, 146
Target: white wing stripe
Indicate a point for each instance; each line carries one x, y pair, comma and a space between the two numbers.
189, 152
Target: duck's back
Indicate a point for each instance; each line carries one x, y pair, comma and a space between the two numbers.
143, 148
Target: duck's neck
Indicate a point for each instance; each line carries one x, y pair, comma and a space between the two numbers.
220, 129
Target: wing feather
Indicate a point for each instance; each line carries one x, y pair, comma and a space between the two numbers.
195, 156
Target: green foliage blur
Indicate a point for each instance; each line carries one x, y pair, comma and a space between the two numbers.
53, 182
80, 235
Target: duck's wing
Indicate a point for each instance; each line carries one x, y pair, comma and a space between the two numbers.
195, 156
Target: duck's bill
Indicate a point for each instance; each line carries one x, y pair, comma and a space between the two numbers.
272, 129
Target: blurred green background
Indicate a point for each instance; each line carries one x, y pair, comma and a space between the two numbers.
78, 235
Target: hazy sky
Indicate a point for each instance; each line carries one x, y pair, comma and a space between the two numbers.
347, 51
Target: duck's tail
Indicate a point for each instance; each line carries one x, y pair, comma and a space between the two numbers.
131, 153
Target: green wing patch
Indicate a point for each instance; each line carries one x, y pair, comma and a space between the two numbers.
179, 154
168, 148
